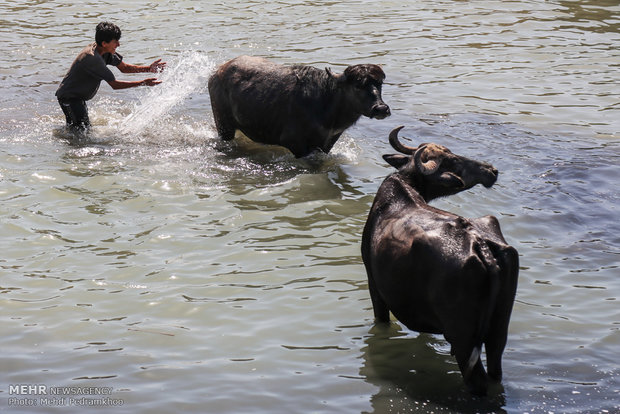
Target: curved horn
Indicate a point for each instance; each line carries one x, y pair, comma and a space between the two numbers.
338, 78
399, 146
427, 167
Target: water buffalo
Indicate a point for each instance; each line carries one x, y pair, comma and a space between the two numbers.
435, 271
301, 108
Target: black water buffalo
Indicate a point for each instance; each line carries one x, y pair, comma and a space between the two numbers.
301, 108
435, 271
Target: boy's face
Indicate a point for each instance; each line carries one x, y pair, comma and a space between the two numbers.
110, 47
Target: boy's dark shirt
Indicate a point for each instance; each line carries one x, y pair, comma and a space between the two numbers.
86, 73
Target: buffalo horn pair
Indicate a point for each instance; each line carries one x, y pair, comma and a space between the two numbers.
425, 168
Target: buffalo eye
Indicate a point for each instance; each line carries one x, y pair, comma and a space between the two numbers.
453, 164
361, 84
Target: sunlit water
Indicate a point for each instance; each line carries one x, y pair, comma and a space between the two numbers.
193, 275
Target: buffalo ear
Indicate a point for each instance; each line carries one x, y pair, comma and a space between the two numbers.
448, 179
396, 160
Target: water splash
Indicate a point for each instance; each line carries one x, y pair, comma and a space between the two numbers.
185, 75
153, 121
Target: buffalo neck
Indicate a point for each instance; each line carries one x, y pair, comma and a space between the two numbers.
409, 189
416, 183
400, 187
340, 113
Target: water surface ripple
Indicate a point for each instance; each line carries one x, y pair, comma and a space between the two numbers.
193, 275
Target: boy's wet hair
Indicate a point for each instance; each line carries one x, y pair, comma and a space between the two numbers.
106, 32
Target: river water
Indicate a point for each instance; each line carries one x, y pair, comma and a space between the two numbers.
173, 272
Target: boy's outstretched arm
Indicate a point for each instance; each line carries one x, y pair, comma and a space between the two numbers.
116, 84
154, 67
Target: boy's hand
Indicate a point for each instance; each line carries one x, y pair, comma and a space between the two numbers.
151, 82
157, 66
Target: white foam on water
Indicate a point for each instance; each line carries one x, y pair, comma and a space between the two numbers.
185, 75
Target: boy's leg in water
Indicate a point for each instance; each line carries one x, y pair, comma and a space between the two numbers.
76, 114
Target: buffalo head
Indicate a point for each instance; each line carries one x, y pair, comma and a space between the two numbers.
362, 85
435, 171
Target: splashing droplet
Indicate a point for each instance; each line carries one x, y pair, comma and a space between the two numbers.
188, 74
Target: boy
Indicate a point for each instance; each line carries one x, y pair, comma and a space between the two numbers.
88, 70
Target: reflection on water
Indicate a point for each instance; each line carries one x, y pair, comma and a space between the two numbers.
419, 371
599, 16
